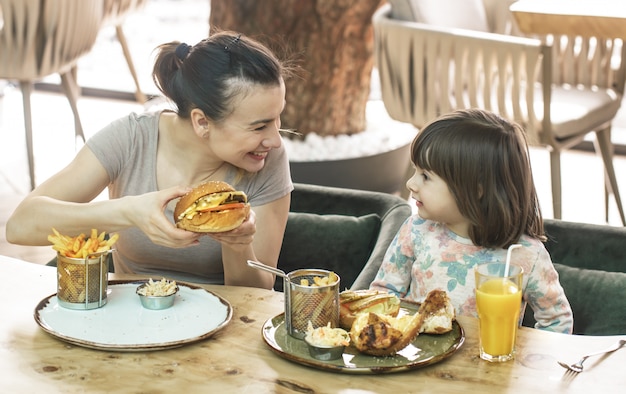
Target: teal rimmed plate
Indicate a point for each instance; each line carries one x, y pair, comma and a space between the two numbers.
425, 349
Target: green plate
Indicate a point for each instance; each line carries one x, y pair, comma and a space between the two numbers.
425, 350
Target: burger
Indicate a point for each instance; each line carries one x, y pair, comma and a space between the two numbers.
211, 207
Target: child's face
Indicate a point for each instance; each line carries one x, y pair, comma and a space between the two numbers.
435, 202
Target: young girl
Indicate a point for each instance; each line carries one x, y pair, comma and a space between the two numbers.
475, 197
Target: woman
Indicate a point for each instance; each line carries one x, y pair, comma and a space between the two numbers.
229, 93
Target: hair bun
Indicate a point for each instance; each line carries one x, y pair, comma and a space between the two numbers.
182, 50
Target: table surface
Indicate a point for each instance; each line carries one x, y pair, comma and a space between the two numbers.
597, 18
237, 359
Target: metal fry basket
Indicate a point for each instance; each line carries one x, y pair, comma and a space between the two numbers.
304, 303
82, 283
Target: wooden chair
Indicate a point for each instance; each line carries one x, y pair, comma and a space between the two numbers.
115, 13
558, 88
39, 38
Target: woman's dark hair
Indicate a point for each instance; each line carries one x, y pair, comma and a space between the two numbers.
485, 163
211, 73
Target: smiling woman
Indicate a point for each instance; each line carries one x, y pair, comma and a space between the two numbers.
228, 92
245, 137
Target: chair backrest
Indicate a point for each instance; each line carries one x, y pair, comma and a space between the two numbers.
115, 11
342, 230
419, 68
42, 37
500, 18
588, 61
481, 15
428, 69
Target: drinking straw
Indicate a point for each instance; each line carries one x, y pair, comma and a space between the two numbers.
507, 265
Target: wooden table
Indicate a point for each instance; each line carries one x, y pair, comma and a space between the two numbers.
593, 18
238, 360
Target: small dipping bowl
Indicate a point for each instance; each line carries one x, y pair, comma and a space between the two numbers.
325, 353
156, 302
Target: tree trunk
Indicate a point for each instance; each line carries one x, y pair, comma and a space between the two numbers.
332, 41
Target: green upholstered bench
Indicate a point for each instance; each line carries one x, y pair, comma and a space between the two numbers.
338, 229
591, 262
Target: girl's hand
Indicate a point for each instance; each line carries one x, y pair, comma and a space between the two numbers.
148, 214
239, 238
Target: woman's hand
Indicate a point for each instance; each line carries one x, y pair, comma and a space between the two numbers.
148, 214
241, 237
246, 243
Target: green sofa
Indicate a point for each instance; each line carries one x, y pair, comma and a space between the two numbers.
591, 262
337, 229
348, 231
340, 230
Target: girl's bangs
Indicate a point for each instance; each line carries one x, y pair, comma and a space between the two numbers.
424, 156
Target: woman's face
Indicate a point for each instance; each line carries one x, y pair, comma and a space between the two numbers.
245, 138
435, 202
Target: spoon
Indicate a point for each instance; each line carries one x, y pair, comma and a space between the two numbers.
275, 271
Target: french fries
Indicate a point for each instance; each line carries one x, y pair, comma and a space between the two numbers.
80, 246
318, 307
319, 281
159, 288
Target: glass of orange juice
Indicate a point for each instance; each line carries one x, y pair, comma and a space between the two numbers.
498, 302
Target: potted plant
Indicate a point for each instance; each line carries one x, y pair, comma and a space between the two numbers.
332, 41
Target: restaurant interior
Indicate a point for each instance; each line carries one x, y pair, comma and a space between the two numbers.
108, 91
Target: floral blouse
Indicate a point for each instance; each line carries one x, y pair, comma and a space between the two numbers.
426, 255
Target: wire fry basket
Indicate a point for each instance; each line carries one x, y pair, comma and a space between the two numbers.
304, 303
82, 283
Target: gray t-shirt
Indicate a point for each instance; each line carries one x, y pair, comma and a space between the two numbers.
127, 149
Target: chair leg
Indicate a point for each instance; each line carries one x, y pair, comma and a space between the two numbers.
606, 197
555, 175
27, 88
141, 98
72, 91
605, 147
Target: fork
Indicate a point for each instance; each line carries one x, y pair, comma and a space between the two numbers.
578, 366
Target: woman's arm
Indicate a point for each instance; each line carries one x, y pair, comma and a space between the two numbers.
65, 202
259, 238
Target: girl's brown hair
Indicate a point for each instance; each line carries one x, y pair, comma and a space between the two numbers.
485, 163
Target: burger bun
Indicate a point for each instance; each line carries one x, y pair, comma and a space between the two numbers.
212, 221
